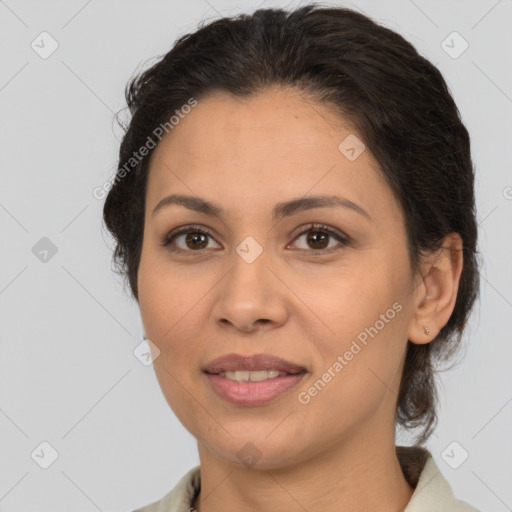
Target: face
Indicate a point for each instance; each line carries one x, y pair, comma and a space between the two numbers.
326, 288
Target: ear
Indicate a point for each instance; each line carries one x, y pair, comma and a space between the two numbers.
436, 292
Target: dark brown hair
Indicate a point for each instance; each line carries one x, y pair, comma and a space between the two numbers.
397, 100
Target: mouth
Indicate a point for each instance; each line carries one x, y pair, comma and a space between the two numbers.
252, 380
252, 364
252, 376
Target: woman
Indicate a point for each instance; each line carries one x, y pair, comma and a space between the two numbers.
294, 211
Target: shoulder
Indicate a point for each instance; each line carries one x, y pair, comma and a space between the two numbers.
179, 499
432, 491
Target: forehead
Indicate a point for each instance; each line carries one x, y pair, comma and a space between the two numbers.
275, 144
283, 119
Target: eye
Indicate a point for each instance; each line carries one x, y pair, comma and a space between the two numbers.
319, 237
194, 239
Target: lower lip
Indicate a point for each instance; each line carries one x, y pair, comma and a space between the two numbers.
253, 393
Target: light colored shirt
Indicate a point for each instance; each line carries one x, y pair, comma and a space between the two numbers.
432, 493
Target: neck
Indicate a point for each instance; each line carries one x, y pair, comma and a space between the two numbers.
360, 475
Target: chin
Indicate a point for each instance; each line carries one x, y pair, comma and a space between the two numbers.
259, 452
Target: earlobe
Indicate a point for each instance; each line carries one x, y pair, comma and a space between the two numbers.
436, 296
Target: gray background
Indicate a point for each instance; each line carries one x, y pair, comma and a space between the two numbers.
68, 375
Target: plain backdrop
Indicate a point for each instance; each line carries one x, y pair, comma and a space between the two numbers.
73, 395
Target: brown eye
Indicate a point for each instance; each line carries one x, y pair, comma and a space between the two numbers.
195, 239
187, 239
318, 238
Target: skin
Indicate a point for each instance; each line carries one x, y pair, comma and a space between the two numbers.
196, 305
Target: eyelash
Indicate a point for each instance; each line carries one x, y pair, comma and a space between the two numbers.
196, 229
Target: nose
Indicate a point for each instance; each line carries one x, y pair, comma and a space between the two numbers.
251, 296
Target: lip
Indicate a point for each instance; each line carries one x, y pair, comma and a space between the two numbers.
252, 393
233, 362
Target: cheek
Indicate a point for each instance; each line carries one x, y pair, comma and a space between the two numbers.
173, 318
352, 302
358, 368
166, 304
165, 298
366, 313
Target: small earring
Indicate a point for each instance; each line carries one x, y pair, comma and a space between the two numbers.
426, 329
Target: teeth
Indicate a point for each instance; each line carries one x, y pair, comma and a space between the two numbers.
256, 376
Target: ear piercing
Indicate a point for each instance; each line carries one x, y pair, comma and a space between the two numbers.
426, 329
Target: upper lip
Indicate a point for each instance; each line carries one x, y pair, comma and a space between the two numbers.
233, 362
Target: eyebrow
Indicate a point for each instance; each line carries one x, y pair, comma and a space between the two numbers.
280, 210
